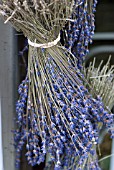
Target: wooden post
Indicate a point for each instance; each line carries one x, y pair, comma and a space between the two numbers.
8, 74
1, 148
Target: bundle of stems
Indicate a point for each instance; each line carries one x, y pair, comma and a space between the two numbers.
102, 81
38, 20
56, 113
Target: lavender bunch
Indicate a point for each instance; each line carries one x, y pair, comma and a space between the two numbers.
79, 30
56, 114
102, 81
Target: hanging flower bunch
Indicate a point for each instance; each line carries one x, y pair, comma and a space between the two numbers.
55, 112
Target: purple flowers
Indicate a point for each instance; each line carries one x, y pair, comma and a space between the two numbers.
56, 115
80, 31
71, 126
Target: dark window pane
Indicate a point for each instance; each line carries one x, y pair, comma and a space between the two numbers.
105, 16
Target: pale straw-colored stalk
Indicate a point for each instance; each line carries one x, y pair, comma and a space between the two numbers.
101, 80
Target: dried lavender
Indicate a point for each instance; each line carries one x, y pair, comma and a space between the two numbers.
102, 81
79, 31
56, 113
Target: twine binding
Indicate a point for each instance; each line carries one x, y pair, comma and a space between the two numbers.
45, 45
